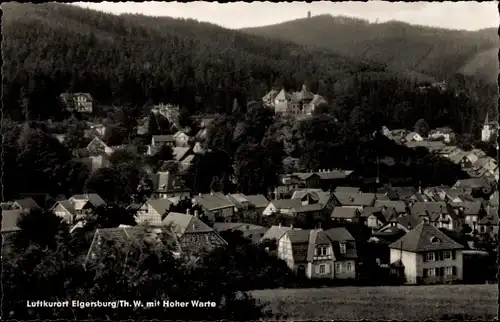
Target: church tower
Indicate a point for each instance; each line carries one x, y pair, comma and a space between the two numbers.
488, 130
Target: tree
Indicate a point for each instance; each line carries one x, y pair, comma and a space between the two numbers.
127, 156
422, 128
107, 183
156, 161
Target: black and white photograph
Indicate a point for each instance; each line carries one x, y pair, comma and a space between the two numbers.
249, 161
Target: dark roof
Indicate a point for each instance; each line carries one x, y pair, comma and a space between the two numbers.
67, 96
27, 203
469, 208
223, 226
213, 201
335, 174
276, 232
258, 201
472, 183
399, 205
93, 198
9, 220
286, 203
339, 234
423, 208
183, 224
355, 199
345, 213
160, 205
423, 238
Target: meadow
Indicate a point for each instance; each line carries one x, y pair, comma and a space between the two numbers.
383, 302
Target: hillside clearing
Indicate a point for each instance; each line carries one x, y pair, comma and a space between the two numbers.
385, 302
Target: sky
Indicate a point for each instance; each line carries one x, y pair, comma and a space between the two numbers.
452, 15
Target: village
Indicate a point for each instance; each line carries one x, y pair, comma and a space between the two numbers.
320, 222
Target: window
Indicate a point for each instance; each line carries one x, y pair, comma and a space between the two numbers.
321, 251
447, 255
431, 272
448, 271
349, 267
429, 257
342, 248
322, 269
338, 268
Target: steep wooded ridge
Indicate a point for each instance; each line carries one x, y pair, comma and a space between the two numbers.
51, 48
436, 52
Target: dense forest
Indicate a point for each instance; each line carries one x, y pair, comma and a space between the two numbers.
52, 48
435, 52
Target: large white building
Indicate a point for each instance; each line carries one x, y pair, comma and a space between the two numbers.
296, 103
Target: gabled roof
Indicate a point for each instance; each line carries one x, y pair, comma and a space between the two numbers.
399, 205
334, 174
312, 193
304, 175
258, 201
9, 220
93, 198
66, 204
160, 205
276, 232
421, 208
472, 183
27, 203
223, 226
339, 234
355, 199
423, 238
213, 201
185, 224
283, 95
286, 203
67, 96
469, 207
304, 94
96, 140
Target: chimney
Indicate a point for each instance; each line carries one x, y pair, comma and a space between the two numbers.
196, 213
187, 211
291, 226
279, 225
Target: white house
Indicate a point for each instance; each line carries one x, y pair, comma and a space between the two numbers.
427, 255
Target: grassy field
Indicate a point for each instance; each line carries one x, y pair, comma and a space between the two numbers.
385, 302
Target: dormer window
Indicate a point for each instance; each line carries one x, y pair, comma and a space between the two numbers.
435, 240
342, 248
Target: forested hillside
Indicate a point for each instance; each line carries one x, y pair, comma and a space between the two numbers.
432, 51
51, 48
137, 60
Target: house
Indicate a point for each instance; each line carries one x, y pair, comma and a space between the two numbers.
276, 232
98, 147
473, 185
76, 207
319, 254
494, 198
438, 214
9, 220
489, 223
475, 154
254, 233
78, 102
309, 196
96, 162
444, 133
427, 255
308, 179
239, 200
461, 159
257, 202
160, 140
487, 163
345, 214
181, 139
447, 151
358, 200
287, 184
215, 204
25, 205
184, 156
398, 205
60, 137
373, 217
193, 233
334, 178
167, 185
152, 212
297, 104
413, 136
472, 212
169, 111
283, 206
126, 236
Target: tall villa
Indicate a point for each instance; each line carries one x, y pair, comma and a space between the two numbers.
488, 130
296, 103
